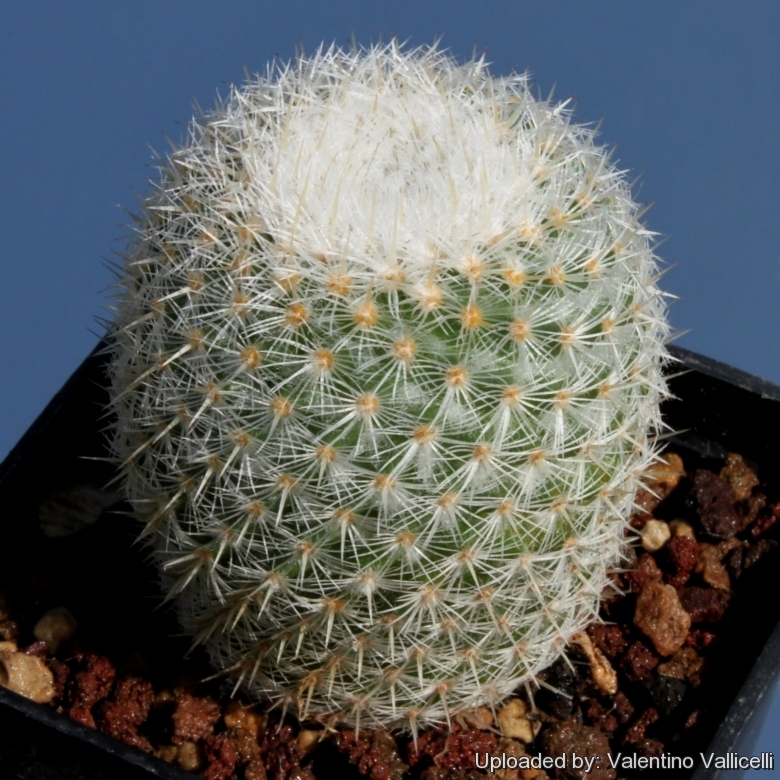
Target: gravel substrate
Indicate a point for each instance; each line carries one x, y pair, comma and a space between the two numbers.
79, 632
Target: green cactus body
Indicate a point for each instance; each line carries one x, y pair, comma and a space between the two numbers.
387, 369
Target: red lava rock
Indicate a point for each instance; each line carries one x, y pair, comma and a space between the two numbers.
570, 737
677, 580
222, 757
38, 648
608, 639
660, 616
622, 706
234, 752
91, 684
121, 717
704, 605
456, 750
375, 754
194, 718
698, 639
715, 500
692, 720
636, 732
638, 663
646, 570
281, 758
600, 718
683, 552
766, 521
639, 520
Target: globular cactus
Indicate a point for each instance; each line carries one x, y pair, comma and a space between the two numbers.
387, 371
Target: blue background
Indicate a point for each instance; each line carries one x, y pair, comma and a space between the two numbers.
689, 91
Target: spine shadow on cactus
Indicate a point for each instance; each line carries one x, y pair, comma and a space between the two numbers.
387, 372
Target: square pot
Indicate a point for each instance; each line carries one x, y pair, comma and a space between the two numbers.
716, 409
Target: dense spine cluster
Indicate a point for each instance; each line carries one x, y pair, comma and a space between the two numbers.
387, 368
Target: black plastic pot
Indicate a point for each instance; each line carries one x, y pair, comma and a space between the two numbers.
717, 409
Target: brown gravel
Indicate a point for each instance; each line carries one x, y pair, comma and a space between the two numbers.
685, 664
609, 639
750, 509
601, 718
662, 479
194, 718
704, 605
713, 572
698, 639
26, 674
255, 770
245, 743
280, 754
622, 707
650, 747
221, 756
130, 708
635, 734
646, 570
683, 554
374, 753
661, 617
720, 526
39, 649
715, 499
456, 750
765, 521
61, 672
246, 718
571, 737
739, 476
189, 756
512, 747
437, 773
639, 662
91, 683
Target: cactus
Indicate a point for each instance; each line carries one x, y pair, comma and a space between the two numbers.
387, 371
